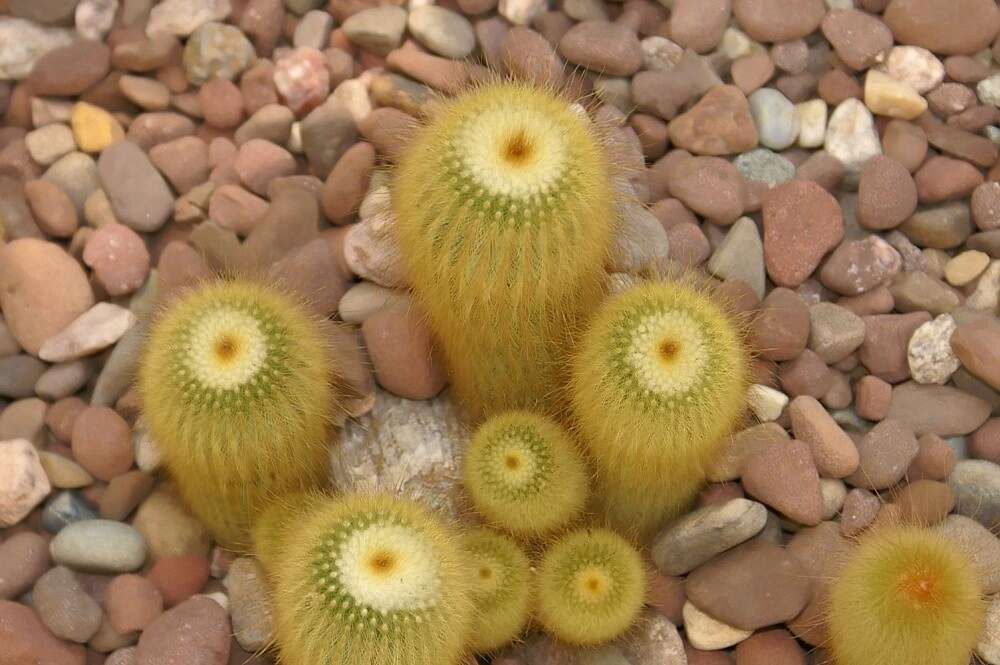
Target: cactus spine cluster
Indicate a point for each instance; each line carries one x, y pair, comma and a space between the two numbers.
504, 243
905, 596
369, 578
591, 587
239, 387
502, 588
524, 474
658, 384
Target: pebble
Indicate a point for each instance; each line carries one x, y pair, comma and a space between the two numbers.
100, 546
976, 486
719, 124
965, 267
378, 29
781, 328
979, 544
740, 255
934, 461
94, 129
47, 144
886, 96
975, 345
313, 30
75, 174
656, 640
132, 603
98, 328
885, 454
94, 18
272, 122
64, 607
765, 166
961, 27
784, 477
771, 647
834, 452
23, 483
182, 17
944, 179
859, 266
302, 79
924, 502
217, 50
859, 39
62, 472
988, 646
168, 527
258, 162
348, 182
851, 135
196, 632
38, 304
607, 48
250, 604
942, 410
884, 351
756, 584
24, 557
710, 634
69, 70
802, 222
443, 31
915, 66
177, 578
25, 43
138, 194
236, 209
147, 93
929, 353
102, 442
124, 493
151, 129
401, 352
778, 20
327, 132
53, 210
775, 118
806, 375
766, 403
700, 535
371, 251
63, 509
710, 187
27, 640
118, 257
834, 331
18, 375
887, 194
24, 419
859, 510
364, 299
699, 25
985, 296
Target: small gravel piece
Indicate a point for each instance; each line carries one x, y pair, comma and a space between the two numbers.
100, 546
23, 483
698, 536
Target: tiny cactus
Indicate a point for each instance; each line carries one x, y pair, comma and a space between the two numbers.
505, 205
502, 588
239, 387
905, 596
658, 384
273, 524
369, 578
524, 474
591, 587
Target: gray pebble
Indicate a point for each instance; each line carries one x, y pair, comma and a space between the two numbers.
763, 165
379, 29
327, 132
64, 607
64, 509
18, 375
834, 331
979, 543
75, 174
249, 604
698, 536
64, 379
138, 193
313, 30
740, 255
775, 117
99, 546
976, 486
217, 50
443, 31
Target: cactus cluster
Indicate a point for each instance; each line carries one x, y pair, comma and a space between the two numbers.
239, 386
502, 588
504, 244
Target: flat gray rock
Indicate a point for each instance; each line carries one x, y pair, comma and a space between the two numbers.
698, 536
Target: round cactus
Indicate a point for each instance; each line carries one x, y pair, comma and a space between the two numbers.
274, 523
504, 205
905, 595
591, 587
372, 579
239, 388
658, 384
524, 474
502, 589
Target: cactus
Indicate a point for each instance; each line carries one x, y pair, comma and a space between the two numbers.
239, 386
524, 475
905, 596
369, 578
591, 587
273, 524
658, 384
504, 206
503, 589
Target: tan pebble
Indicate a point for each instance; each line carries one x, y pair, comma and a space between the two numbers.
965, 267
886, 96
94, 128
102, 442
784, 476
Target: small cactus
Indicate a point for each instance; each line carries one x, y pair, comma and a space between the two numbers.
505, 204
905, 596
369, 578
503, 589
591, 587
239, 386
524, 474
659, 383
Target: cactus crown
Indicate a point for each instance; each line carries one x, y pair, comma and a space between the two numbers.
502, 588
592, 586
373, 579
905, 594
524, 474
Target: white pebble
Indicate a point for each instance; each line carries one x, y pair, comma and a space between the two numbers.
23, 482
766, 402
915, 66
707, 633
812, 123
929, 351
851, 135
98, 328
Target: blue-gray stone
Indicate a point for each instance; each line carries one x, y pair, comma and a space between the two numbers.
976, 486
763, 165
99, 546
776, 119
63, 509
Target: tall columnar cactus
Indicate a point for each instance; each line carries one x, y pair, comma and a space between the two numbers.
504, 205
524, 474
905, 596
239, 385
591, 587
502, 588
372, 579
659, 383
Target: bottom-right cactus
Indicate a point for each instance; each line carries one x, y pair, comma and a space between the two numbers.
905, 596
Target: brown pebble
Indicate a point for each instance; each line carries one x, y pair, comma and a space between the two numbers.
666, 596
527, 54
236, 209
258, 162
183, 161
858, 266
389, 130
859, 38
69, 70
906, 143
885, 452
61, 416
886, 338
102, 442
719, 124
780, 331
402, 354
977, 345
751, 72
27, 641
688, 245
935, 459
699, 24
945, 179
806, 375
132, 603
835, 86
833, 451
711, 187
118, 257
24, 557
783, 476
948, 28
197, 627
802, 222
942, 410
699, 657
778, 20
925, 502
179, 577
771, 647
872, 396
607, 48
984, 443
859, 510
124, 493
347, 183
54, 211
887, 194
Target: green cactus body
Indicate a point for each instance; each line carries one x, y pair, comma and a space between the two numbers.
503, 589
372, 579
524, 474
659, 383
504, 206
